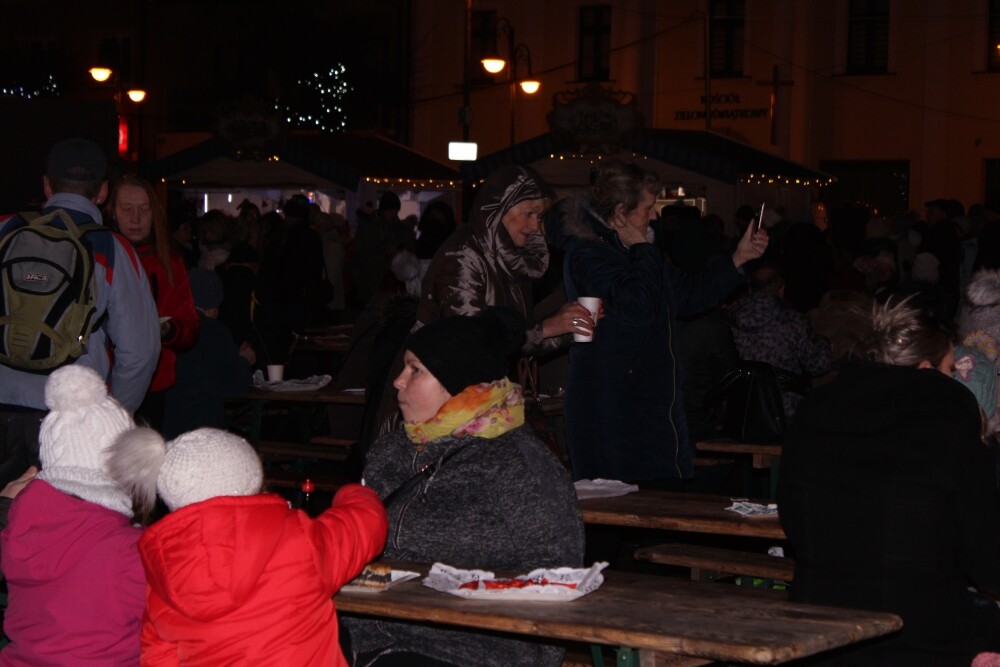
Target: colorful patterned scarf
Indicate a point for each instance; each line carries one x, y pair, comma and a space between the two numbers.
485, 410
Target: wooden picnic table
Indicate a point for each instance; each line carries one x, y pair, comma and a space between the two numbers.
763, 456
686, 512
665, 619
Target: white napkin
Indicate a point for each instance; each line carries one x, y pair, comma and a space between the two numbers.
310, 383
602, 488
540, 584
745, 508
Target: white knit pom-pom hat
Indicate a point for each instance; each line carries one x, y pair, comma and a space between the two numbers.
207, 463
76, 435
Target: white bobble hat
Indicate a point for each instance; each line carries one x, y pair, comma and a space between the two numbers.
76, 435
207, 463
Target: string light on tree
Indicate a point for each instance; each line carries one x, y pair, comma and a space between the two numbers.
324, 93
48, 89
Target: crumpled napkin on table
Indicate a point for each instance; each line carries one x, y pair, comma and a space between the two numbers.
745, 508
310, 383
565, 583
602, 488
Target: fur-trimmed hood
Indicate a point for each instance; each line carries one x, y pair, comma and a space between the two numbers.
572, 218
984, 288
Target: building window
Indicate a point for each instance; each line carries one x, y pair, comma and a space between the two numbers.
993, 46
726, 37
484, 43
868, 37
595, 43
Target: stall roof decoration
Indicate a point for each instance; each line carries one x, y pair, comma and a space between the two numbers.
706, 153
340, 160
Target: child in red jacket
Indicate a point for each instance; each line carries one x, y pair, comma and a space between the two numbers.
236, 576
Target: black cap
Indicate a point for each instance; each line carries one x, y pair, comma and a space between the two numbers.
77, 160
462, 351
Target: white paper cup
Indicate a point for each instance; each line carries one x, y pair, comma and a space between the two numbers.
275, 372
593, 304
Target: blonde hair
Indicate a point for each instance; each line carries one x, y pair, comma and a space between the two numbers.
903, 335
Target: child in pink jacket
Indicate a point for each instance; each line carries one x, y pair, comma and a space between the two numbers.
76, 585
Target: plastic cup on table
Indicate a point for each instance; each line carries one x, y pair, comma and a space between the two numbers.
275, 372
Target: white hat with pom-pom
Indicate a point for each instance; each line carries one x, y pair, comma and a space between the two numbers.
75, 437
193, 467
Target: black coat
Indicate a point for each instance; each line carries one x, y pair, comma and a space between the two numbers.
624, 410
889, 500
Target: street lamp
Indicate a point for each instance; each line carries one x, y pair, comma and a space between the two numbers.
494, 63
114, 63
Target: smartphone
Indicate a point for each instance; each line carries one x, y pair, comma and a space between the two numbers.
760, 218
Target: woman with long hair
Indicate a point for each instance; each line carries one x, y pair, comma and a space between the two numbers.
136, 213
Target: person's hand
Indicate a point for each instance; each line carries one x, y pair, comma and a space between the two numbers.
751, 246
629, 235
248, 353
14, 488
571, 318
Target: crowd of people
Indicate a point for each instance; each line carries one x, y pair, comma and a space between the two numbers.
885, 334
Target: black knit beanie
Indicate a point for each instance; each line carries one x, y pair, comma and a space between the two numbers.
463, 351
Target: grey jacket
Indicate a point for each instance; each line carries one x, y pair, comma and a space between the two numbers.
503, 503
126, 307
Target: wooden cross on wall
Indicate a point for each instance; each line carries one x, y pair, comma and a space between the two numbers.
775, 82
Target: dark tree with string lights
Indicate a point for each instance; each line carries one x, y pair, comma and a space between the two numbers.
317, 101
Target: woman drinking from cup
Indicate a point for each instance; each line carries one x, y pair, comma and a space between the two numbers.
624, 413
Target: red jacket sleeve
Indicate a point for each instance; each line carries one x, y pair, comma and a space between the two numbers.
349, 535
177, 302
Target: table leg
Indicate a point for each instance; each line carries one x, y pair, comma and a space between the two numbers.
257, 416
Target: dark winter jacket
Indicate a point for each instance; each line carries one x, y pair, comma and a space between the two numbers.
480, 266
889, 499
766, 328
503, 503
624, 410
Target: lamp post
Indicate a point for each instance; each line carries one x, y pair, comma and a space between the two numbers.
516, 53
115, 64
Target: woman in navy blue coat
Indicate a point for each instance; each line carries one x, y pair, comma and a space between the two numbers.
624, 412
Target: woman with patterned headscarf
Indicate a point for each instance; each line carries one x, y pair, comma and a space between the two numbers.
492, 260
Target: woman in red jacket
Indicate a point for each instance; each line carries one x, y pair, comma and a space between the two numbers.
136, 213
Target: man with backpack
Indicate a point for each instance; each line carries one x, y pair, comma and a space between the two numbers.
71, 291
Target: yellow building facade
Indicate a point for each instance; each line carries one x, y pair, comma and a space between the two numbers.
899, 99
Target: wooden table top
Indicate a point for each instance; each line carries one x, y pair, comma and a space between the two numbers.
657, 615
687, 512
326, 395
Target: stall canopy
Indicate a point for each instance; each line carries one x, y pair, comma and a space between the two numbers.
320, 161
706, 153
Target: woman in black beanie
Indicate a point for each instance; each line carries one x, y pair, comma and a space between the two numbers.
466, 483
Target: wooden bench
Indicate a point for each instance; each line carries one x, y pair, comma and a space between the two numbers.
707, 563
300, 450
763, 454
